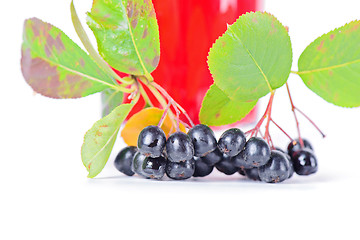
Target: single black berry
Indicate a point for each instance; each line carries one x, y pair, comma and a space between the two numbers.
252, 173
203, 139
179, 147
304, 162
201, 168
226, 166
276, 169
232, 141
181, 170
295, 146
151, 141
213, 157
124, 160
291, 171
256, 153
149, 167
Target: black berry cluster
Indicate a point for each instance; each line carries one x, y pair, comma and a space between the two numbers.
197, 153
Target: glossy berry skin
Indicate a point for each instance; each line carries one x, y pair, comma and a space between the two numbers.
123, 160
276, 169
239, 162
179, 147
151, 141
252, 174
305, 162
295, 146
181, 170
232, 141
226, 166
213, 157
201, 168
290, 161
256, 153
203, 139
149, 167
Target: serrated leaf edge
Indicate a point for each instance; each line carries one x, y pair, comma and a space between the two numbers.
330, 67
131, 105
247, 13
28, 44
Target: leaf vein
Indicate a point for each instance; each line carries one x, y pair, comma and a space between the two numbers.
252, 57
133, 40
105, 145
328, 68
78, 73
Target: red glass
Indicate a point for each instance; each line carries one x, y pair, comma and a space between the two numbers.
188, 28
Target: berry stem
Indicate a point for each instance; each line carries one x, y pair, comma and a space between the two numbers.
271, 143
294, 109
317, 128
145, 95
164, 115
268, 115
185, 124
161, 94
296, 119
162, 101
163, 91
256, 130
177, 120
281, 129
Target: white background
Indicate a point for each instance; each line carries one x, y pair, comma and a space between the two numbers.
44, 192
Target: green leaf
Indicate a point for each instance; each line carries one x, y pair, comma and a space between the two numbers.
330, 66
87, 44
252, 58
127, 34
218, 109
100, 139
54, 66
110, 99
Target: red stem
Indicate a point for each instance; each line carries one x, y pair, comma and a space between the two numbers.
256, 129
294, 108
267, 135
175, 105
185, 124
281, 129
317, 128
296, 120
271, 142
267, 114
164, 115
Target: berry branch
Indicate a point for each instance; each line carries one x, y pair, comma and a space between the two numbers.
296, 120
166, 102
282, 130
294, 109
267, 114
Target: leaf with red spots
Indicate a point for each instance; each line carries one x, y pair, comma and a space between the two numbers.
127, 34
218, 109
99, 140
252, 58
330, 66
54, 66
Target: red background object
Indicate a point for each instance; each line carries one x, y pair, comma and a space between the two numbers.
188, 28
